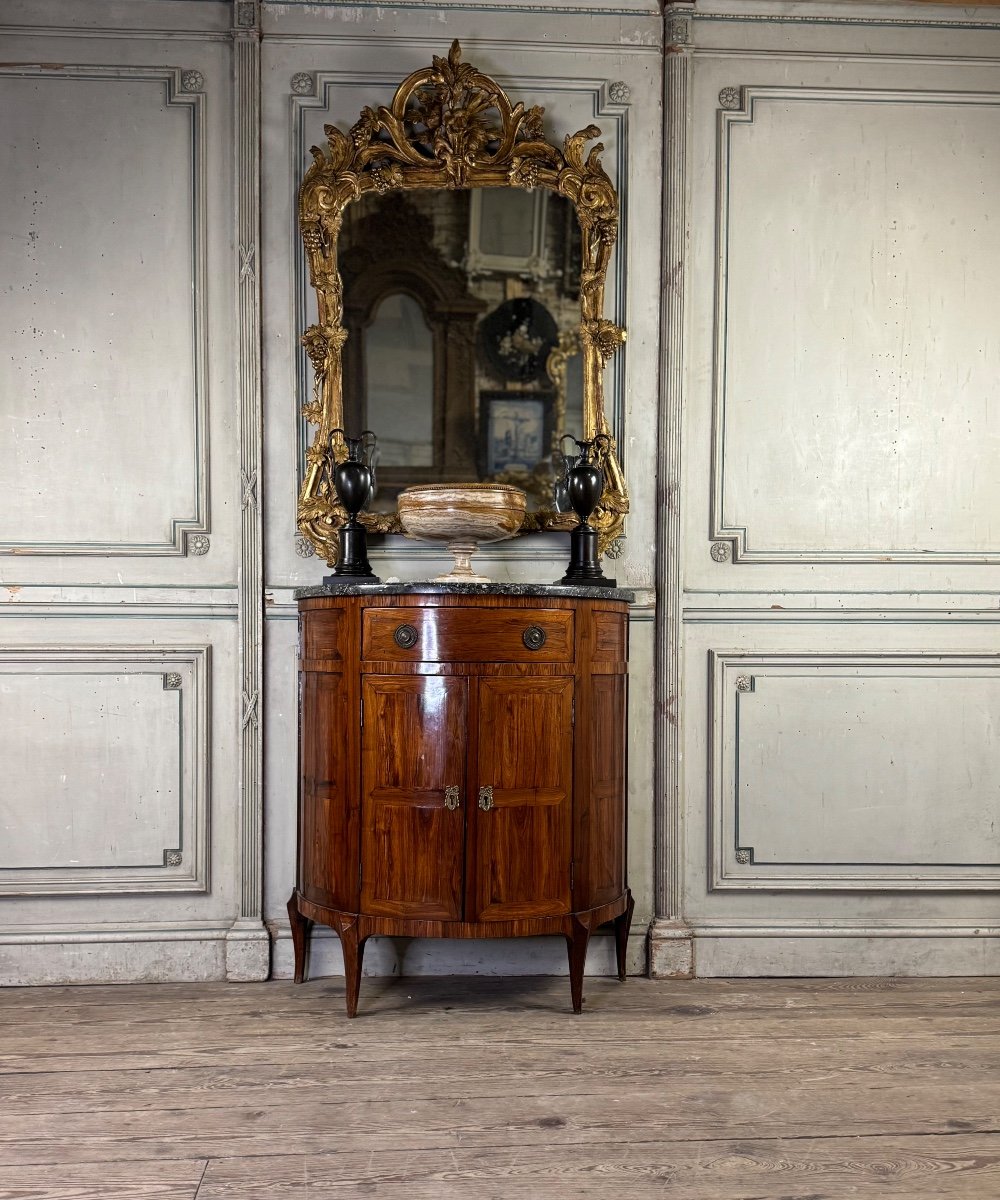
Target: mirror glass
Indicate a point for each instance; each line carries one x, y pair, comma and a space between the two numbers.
399, 374
461, 310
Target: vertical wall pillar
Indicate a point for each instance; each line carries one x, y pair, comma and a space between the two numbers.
248, 944
670, 943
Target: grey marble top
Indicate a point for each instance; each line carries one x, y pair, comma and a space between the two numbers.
552, 591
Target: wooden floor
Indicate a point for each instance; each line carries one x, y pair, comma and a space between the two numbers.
703, 1090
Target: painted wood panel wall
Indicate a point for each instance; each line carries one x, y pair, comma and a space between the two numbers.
133, 450
323, 64
835, 812
804, 410
121, 547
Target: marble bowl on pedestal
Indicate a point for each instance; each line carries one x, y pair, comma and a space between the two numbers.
462, 515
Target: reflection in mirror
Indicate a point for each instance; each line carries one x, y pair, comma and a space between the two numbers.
573, 422
399, 371
507, 230
453, 303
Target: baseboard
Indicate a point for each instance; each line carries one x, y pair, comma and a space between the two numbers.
459, 956
131, 953
671, 950
206, 951
853, 951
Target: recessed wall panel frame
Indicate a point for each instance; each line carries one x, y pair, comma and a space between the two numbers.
738, 110
183, 671
734, 866
171, 81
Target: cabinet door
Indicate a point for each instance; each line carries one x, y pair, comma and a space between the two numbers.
413, 749
521, 844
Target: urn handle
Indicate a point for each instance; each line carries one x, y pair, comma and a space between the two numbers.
405, 637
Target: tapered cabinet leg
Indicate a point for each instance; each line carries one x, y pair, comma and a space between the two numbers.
577, 942
353, 947
622, 926
301, 927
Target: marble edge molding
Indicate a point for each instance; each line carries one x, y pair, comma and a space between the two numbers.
551, 590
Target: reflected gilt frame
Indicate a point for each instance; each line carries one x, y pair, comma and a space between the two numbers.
450, 126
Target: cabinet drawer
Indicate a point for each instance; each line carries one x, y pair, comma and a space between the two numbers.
468, 635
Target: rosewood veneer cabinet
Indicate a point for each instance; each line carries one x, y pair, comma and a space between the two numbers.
462, 767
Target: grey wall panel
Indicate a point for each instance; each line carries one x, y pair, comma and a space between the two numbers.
854, 361
105, 306
106, 758
854, 772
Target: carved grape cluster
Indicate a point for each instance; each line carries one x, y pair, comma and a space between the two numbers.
316, 346
524, 173
312, 237
363, 128
385, 178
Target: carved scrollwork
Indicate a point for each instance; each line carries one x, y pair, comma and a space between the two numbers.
449, 126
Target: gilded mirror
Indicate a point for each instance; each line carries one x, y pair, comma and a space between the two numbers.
459, 263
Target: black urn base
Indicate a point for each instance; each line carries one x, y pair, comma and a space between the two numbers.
353, 562
584, 568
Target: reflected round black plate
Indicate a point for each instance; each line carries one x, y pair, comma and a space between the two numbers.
516, 339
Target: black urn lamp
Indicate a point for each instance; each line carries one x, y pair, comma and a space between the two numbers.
353, 480
584, 486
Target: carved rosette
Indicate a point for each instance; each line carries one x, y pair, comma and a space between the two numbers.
448, 126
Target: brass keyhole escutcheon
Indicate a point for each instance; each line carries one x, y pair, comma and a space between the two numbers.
451, 798
486, 798
534, 637
405, 637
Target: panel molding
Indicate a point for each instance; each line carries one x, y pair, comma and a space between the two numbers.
195, 525
737, 108
184, 670
247, 943
734, 866
836, 18
668, 801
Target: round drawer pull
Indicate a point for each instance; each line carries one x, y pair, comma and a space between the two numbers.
534, 637
405, 637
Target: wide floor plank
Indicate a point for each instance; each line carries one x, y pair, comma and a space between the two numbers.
482, 1088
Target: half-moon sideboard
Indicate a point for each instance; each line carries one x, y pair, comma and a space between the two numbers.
462, 766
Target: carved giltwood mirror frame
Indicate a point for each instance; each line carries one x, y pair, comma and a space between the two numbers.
450, 127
